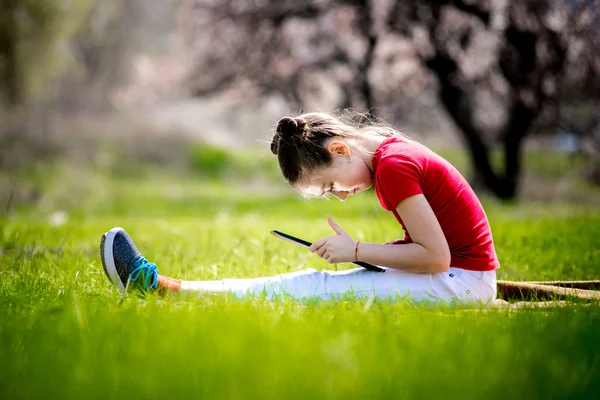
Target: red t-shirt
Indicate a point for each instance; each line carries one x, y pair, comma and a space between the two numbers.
404, 168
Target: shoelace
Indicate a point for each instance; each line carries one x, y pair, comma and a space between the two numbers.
148, 270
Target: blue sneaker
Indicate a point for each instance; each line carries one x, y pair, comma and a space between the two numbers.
124, 264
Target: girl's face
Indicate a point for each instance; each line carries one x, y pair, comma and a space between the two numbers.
342, 178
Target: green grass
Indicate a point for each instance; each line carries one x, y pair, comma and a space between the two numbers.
66, 333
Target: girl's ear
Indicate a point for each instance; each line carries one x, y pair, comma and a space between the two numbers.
338, 148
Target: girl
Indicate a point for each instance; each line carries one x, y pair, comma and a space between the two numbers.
447, 253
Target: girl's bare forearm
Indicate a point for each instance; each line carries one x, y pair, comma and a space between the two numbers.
409, 257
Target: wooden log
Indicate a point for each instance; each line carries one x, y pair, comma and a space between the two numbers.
586, 285
508, 290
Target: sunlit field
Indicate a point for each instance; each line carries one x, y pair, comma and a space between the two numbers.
65, 333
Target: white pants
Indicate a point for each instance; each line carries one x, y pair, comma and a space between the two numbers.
453, 286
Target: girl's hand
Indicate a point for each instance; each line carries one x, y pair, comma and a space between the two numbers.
337, 248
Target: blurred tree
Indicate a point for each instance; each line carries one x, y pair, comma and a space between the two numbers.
102, 51
33, 38
59, 58
531, 56
68, 53
287, 47
502, 67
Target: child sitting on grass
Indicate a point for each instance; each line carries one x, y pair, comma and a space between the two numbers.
447, 253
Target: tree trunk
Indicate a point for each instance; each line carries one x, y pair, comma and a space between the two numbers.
457, 103
520, 122
10, 77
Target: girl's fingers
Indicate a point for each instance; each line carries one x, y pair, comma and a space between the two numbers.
322, 251
318, 244
328, 257
336, 228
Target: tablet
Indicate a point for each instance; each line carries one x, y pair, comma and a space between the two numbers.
304, 243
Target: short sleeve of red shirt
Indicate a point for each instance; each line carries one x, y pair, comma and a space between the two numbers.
399, 177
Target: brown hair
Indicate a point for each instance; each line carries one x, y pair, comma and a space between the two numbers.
298, 142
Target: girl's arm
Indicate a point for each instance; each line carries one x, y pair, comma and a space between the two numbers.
429, 252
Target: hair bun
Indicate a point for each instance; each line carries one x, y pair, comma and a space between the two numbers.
289, 132
287, 127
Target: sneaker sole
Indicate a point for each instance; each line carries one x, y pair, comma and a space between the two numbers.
108, 261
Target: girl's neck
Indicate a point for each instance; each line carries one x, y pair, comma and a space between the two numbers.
367, 144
